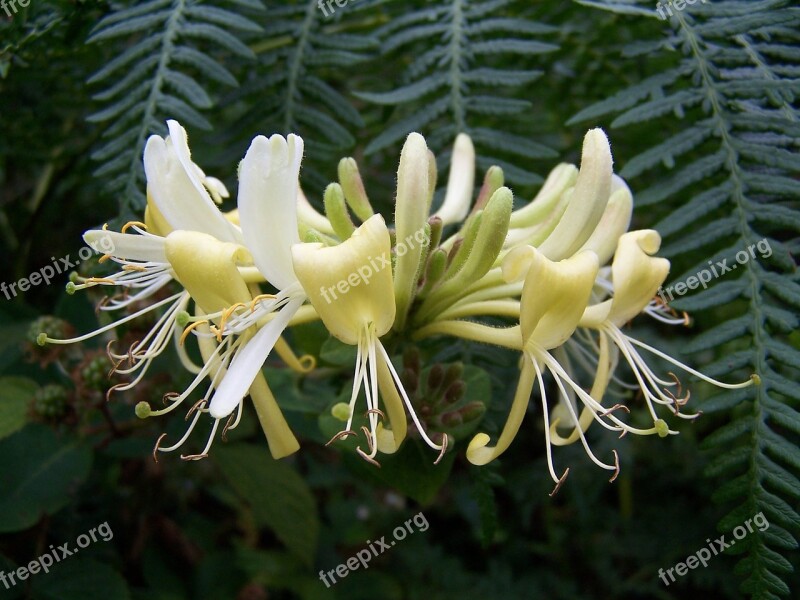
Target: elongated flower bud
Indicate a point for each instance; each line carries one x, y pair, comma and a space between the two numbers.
411, 214
592, 189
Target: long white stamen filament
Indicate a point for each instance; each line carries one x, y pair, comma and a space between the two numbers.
210, 441
546, 416
677, 363
408, 404
358, 376
185, 437
598, 410
372, 397
209, 365
576, 423
111, 326
652, 393
160, 335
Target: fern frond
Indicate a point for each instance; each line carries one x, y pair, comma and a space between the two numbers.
158, 74
296, 86
457, 81
726, 179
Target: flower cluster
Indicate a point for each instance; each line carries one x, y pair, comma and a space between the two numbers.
563, 271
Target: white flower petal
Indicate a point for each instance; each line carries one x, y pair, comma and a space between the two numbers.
249, 360
177, 190
144, 248
460, 183
268, 204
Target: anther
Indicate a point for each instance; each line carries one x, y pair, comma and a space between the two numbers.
156, 447
341, 435
193, 456
443, 449
375, 411
368, 458
615, 407
189, 329
197, 406
616, 464
130, 224
227, 426
559, 483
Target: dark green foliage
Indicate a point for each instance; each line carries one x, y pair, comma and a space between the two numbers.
703, 119
723, 175
155, 77
455, 80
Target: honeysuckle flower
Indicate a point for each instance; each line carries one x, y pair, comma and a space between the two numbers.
546, 269
209, 270
635, 277
267, 204
553, 300
350, 286
179, 196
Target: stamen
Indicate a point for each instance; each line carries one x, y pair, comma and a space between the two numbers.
189, 329
169, 396
130, 224
368, 458
101, 304
559, 483
370, 442
616, 464
193, 456
615, 407
259, 298
113, 388
196, 406
156, 448
677, 382
443, 450
225, 316
224, 436
341, 435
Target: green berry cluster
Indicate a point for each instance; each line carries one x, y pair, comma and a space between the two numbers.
50, 401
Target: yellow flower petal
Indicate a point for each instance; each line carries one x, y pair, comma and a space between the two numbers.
207, 268
636, 276
554, 294
589, 199
350, 285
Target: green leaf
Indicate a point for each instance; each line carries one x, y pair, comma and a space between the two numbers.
278, 497
17, 392
410, 471
6, 566
40, 474
338, 353
77, 579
